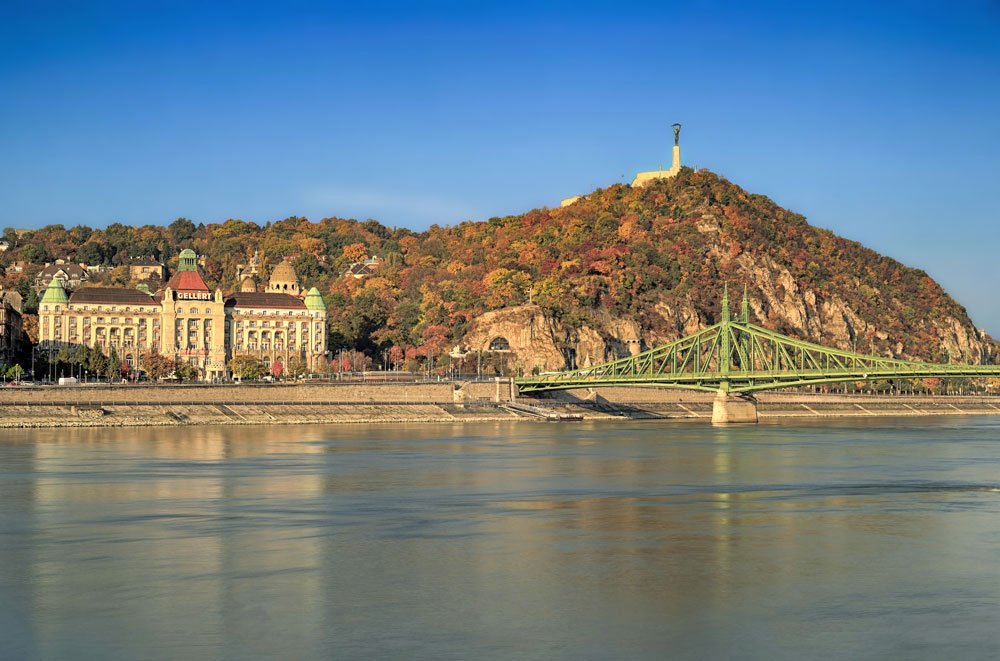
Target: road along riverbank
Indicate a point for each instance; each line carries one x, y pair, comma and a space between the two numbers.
177, 405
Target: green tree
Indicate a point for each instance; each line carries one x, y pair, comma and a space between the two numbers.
91, 253
35, 254
186, 372
182, 230
113, 365
246, 367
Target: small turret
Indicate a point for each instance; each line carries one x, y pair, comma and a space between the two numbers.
314, 301
55, 293
187, 260
283, 279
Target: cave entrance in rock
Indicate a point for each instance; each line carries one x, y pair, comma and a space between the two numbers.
499, 344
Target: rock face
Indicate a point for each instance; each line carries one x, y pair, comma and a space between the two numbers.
699, 231
537, 342
532, 338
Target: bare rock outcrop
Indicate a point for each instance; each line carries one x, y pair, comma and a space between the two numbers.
525, 332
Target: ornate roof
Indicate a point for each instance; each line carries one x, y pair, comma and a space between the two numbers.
110, 295
54, 293
314, 301
248, 284
264, 300
284, 271
187, 260
283, 278
187, 281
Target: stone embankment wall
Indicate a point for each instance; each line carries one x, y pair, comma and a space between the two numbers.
166, 394
128, 405
93, 406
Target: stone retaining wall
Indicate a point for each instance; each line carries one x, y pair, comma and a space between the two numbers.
72, 406
326, 392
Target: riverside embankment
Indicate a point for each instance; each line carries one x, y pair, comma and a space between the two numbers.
175, 405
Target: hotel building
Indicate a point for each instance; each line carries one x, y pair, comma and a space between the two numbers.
189, 322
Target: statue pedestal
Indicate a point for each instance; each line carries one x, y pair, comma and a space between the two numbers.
731, 409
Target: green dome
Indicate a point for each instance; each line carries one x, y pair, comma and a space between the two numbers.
314, 301
187, 260
143, 287
55, 293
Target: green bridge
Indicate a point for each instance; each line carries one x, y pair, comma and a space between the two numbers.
735, 358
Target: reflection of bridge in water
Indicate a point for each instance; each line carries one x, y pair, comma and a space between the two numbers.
735, 359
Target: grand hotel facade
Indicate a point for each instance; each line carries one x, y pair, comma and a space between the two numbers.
189, 322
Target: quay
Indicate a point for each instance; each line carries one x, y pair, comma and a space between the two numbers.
445, 401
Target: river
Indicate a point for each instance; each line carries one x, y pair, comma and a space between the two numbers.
514, 540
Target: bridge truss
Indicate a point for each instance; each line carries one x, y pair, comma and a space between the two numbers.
735, 356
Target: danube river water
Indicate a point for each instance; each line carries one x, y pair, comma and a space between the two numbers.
630, 540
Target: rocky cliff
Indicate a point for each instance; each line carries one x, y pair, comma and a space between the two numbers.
639, 267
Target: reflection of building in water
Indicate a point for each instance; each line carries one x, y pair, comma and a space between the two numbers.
179, 538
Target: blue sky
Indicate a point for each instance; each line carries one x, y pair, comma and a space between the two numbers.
880, 121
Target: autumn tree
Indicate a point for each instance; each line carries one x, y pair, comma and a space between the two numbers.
246, 367
157, 366
356, 252
296, 367
933, 384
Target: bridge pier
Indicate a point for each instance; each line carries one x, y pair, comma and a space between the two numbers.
729, 409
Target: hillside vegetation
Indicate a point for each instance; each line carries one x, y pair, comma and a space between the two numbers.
657, 256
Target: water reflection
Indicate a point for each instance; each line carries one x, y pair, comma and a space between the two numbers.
500, 540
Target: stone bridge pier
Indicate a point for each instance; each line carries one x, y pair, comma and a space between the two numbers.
729, 409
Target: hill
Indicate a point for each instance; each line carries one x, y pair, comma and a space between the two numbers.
621, 268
